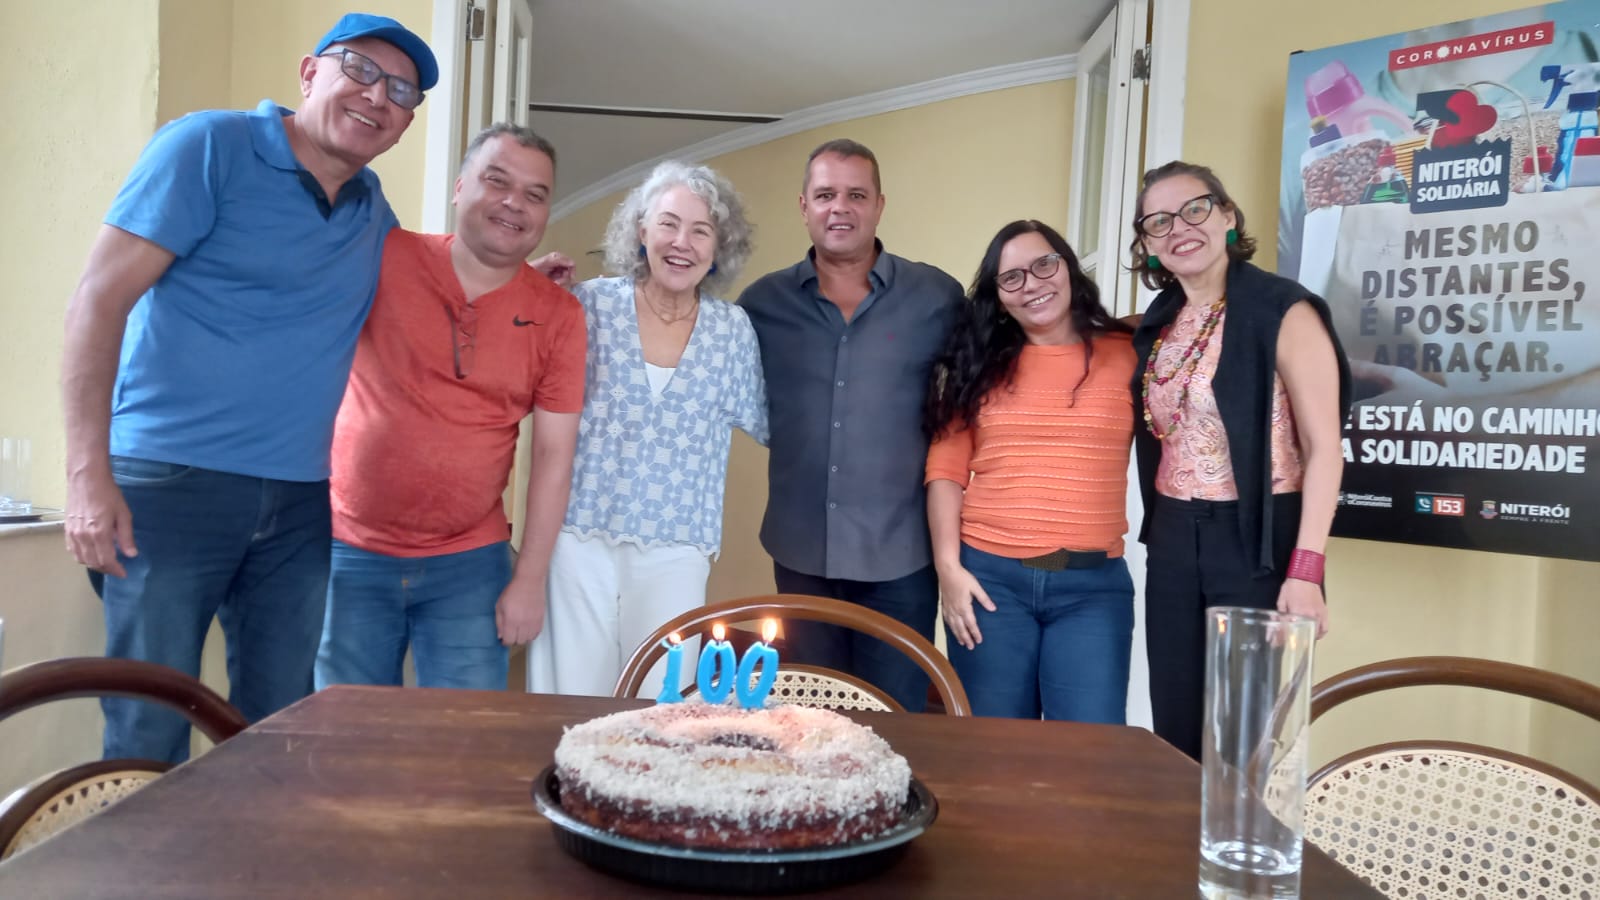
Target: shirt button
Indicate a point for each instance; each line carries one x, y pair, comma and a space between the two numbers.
833, 468
845, 339
832, 505
836, 424
838, 384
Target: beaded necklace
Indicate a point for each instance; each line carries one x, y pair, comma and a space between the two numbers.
1190, 359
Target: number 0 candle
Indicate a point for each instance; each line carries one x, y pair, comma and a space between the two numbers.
760, 654
718, 667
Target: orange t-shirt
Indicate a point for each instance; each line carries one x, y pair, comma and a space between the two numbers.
1046, 472
420, 456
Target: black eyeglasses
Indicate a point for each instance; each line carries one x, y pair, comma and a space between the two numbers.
1159, 224
364, 71
464, 339
1012, 279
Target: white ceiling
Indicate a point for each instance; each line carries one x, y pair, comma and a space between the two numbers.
769, 57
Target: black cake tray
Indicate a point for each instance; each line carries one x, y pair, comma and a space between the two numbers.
733, 871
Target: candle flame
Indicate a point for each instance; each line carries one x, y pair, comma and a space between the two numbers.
675, 637
718, 632
769, 630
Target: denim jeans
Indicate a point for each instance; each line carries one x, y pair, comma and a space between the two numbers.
912, 599
1057, 644
441, 606
253, 552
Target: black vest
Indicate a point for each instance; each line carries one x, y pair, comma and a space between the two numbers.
1257, 302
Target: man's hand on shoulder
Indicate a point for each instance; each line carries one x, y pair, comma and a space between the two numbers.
557, 267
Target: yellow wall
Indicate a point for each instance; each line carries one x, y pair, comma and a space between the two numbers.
1391, 600
63, 157
61, 163
953, 173
196, 43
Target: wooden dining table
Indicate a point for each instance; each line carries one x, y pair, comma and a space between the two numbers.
390, 792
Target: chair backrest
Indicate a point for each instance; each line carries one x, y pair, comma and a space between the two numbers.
42, 809
803, 685
812, 609
1439, 818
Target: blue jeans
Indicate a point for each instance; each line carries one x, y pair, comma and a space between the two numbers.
253, 552
441, 606
1056, 645
912, 599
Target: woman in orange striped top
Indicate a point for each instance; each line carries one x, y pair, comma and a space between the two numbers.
1031, 417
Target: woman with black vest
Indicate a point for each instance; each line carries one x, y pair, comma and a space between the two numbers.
1243, 391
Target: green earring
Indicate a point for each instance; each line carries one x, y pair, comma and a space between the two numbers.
1151, 262
1233, 236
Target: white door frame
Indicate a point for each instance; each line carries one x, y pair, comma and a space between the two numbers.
1163, 142
445, 103
453, 117
513, 49
1143, 129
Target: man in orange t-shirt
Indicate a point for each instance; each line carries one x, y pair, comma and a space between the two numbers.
465, 339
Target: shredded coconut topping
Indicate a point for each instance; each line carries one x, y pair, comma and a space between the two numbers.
765, 768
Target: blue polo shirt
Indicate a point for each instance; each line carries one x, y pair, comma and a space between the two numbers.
236, 360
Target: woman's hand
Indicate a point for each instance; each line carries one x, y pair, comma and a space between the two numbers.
957, 589
1302, 598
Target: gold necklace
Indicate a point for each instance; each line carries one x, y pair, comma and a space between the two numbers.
667, 320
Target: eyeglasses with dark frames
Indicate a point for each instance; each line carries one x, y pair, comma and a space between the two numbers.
1011, 280
464, 339
1194, 211
362, 70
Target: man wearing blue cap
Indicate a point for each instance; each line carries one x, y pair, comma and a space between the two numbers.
208, 344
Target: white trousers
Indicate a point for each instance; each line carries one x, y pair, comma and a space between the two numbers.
604, 601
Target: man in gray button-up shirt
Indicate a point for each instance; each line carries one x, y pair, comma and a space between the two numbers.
848, 336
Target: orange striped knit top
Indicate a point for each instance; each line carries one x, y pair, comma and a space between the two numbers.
1041, 471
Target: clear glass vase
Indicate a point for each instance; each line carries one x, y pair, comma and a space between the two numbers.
1253, 752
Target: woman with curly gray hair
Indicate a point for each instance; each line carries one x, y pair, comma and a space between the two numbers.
672, 370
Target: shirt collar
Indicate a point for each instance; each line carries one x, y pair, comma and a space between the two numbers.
270, 137
881, 276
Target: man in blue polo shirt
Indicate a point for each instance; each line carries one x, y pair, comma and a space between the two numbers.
208, 345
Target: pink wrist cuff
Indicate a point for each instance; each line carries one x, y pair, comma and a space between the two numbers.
1306, 565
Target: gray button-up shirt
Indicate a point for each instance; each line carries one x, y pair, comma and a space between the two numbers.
844, 473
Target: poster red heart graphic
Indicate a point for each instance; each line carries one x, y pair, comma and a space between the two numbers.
1472, 119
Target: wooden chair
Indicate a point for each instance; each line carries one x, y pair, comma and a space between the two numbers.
1419, 819
809, 685
47, 806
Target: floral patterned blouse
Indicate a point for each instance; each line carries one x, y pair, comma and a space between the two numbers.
650, 469
1195, 463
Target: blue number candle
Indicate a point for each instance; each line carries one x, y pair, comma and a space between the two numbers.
669, 686
763, 655
718, 667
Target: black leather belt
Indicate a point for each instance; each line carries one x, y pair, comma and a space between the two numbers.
1056, 560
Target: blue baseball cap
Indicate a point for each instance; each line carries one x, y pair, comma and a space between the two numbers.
360, 25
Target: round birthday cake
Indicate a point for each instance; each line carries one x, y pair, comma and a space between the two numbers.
704, 775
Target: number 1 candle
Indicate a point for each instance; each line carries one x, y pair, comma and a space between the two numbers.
669, 685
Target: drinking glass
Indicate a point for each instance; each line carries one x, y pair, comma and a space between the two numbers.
16, 456
1253, 752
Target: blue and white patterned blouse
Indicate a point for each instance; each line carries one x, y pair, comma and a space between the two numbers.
650, 470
